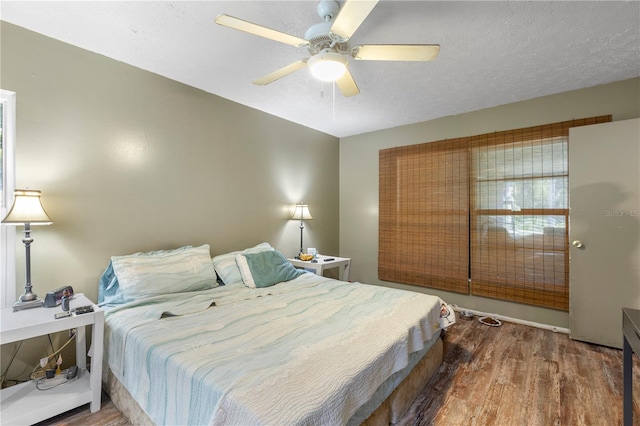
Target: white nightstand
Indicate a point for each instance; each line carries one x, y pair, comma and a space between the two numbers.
23, 403
325, 262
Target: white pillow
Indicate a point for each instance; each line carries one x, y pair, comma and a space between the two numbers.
227, 268
163, 272
245, 272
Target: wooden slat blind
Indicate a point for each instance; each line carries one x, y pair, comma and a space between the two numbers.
424, 216
519, 192
486, 215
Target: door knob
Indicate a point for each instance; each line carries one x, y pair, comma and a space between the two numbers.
578, 244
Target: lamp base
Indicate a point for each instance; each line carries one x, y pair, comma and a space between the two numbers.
28, 295
20, 305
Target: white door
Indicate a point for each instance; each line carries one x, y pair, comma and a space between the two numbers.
604, 229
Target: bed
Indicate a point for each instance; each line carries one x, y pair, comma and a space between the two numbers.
247, 339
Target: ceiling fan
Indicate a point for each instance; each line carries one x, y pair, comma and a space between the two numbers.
329, 47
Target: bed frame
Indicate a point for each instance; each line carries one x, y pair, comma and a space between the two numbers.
389, 412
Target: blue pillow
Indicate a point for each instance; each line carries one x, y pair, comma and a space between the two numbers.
109, 293
265, 269
226, 266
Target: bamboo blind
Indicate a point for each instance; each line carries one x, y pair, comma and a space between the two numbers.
519, 197
486, 215
424, 216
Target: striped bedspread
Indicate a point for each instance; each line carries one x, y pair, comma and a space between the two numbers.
309, 351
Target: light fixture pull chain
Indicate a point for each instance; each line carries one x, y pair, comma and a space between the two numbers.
333, 102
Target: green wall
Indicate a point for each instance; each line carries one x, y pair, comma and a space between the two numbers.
130, 161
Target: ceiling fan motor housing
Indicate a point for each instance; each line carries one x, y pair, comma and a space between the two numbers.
319, 37
328, 9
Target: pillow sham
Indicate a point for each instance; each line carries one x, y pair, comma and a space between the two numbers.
163, 272
109, 291
226, 267
265, 269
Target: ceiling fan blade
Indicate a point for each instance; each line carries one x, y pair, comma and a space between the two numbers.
396, 52
347, 84
351, 16
282, 72
259, 30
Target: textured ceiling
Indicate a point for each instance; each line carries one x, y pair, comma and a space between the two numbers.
492, 53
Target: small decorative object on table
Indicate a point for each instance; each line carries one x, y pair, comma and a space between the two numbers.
66, 296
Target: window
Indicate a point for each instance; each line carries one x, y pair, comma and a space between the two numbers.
7, 185
485, 215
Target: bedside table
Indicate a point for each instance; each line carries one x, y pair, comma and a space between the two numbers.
322, 264
23, 403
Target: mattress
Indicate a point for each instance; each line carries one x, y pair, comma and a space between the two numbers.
308, 351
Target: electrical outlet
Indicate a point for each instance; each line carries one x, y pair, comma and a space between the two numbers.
72, 332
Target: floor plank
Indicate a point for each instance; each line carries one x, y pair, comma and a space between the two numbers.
508, 375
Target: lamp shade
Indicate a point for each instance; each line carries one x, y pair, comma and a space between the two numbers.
27, 208
327, 65
301, 212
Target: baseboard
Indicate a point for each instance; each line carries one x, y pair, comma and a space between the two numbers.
515, 320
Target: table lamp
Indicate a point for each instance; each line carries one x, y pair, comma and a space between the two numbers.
27, 210
301, 213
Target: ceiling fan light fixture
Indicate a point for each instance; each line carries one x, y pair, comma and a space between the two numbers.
327, 65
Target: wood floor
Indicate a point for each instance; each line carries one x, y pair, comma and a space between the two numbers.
519, 375
508, 375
